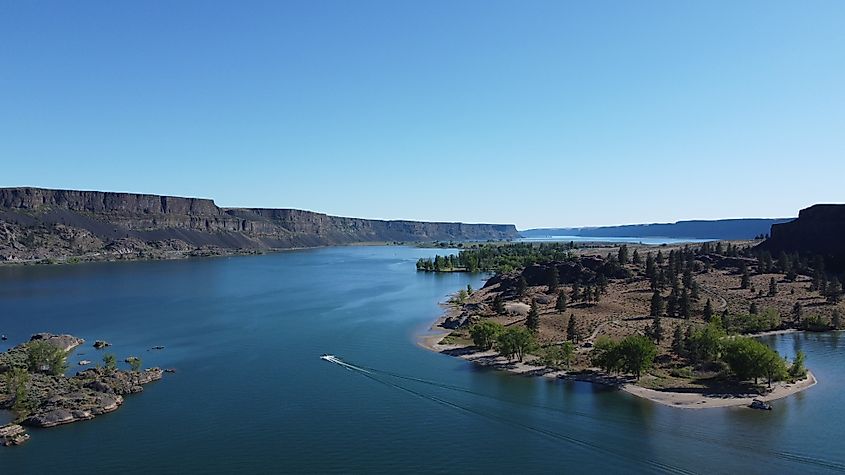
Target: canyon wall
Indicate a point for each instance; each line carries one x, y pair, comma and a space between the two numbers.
39, 223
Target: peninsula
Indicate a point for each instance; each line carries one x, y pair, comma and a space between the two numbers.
668, 323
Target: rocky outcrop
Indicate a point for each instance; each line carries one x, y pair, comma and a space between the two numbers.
12, 434
819, 230
62, 342
54, 400
39, 223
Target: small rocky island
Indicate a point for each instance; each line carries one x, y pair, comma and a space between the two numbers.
34, 387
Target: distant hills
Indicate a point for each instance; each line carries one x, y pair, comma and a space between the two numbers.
726, 229
38, 224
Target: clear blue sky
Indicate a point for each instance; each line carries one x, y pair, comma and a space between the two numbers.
538, 113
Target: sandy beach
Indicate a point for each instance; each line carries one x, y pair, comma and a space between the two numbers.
704, 401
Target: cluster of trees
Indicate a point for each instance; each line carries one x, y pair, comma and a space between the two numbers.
17, 381
559, 355
498, 257
791, 265
511, 342
589, 293
747, 358
754, 321
817, 323
42, 357
633, 354
448, 263
680, 299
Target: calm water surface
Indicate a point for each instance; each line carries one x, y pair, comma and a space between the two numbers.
252, 396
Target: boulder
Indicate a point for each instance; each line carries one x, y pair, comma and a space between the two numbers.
100, 344
12, 434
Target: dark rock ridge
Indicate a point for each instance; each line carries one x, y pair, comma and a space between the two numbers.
727, 229
40, 223
819, 230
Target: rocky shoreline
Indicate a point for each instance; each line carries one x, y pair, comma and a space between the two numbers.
48, 400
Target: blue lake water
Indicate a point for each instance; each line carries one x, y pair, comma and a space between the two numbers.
251, 394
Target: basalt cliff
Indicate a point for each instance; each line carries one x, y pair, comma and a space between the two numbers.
39, 224
819, 230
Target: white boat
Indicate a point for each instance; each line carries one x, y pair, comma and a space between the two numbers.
327, 357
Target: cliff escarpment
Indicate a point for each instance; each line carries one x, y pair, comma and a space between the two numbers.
40, 223
819, 230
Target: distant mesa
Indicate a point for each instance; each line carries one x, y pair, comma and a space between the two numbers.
41, 224
722, 229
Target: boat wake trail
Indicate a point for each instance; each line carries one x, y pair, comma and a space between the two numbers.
334, 359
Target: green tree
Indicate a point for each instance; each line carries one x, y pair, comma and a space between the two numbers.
559, 355
560, 305
623, 254
572, 329
836, 319
649, 267
515, 342
797, 370
774, 367
135, 364
588, 294
752, 309
797, 313
554, 280
638, 353
110, 362
656, 304
485, 333
678, 343
684, 304
533, 319
705, 344
575, 295
656, 329
499, 304
17, 386
773, 287
469, 289
606, 355
635, 258
708, 310
746, 358
745, 282
672, 304
462, 296
46, 358
521, 286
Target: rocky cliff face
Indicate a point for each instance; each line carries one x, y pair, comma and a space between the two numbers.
40, 223
819, 230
